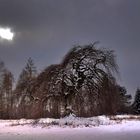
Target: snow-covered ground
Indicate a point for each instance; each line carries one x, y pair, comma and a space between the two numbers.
71, 128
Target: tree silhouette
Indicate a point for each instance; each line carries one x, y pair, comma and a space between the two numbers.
77, 81
136, 104
23, 90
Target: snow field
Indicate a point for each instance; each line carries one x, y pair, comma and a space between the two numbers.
72, 128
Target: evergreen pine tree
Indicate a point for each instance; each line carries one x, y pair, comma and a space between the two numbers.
26, 78
6, 83
23, 91
7, 93
136, 104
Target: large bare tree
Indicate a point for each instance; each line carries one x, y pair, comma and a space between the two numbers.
77, 81
84, 70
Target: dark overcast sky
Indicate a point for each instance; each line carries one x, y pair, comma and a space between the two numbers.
47, 29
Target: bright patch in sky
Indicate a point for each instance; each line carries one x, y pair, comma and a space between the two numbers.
6, 33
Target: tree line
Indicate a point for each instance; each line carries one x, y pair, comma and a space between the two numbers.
83, 84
